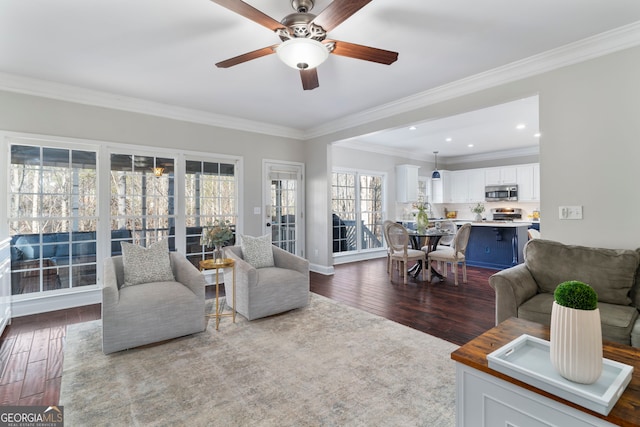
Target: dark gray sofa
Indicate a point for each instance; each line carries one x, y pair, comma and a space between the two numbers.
526, 290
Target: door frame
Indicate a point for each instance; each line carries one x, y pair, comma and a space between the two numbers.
267, 165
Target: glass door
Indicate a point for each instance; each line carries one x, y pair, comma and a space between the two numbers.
284, 201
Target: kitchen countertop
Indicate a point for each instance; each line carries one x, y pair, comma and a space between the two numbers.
505, 224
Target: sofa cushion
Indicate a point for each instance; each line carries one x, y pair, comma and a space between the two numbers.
146, 265
610, 272
617, 320
257, 251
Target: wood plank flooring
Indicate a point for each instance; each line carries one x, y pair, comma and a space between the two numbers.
32, 347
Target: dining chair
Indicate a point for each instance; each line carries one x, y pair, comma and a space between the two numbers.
533, 233
452, 228
454, 255
400, 251
444, 241
385, 228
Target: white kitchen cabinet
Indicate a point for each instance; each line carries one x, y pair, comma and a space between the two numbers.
501, 175
459, 187
5, 284
476, 183
407, 183
441, 189
529, 183
467, 186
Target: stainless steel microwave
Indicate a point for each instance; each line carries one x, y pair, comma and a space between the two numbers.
498, 193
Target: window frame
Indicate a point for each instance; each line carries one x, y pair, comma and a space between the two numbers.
358, 173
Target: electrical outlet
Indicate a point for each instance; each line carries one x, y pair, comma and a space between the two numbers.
570, 212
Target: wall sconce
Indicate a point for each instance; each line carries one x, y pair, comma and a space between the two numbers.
157, 171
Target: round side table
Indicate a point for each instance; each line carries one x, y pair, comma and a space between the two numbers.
210, 264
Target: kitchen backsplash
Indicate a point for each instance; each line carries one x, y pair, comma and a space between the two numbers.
405, 211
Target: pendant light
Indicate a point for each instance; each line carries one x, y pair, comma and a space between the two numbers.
435, 175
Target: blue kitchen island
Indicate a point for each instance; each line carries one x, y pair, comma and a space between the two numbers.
496, 245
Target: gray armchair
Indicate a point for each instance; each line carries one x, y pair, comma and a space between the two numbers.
262, 292
151, 312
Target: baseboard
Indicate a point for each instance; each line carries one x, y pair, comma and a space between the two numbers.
25, 306
322, 269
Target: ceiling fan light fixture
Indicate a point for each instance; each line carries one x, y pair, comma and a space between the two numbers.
302, 53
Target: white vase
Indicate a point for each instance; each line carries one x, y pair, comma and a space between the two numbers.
576, 343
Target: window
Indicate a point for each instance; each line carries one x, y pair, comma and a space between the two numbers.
142, 203
210, 195
53, 218
357, 211
56, 197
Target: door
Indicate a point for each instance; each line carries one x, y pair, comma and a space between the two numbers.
284, 202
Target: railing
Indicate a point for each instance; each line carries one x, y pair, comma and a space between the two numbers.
347, 238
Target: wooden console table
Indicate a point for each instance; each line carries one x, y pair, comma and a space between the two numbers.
501, 398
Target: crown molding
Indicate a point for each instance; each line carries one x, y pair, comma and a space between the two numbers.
589, 48
452, 160
64, 92
592, 47
494, 155
387, 151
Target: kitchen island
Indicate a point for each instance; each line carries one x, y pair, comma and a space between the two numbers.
496, 244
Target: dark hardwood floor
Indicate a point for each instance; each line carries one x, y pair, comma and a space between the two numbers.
32, 347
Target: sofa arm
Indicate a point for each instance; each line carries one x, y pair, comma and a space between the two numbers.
185, 273
513, 287
245, 273
284, 259
110, 292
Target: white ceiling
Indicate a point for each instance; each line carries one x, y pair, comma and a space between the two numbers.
510, 127
164, 51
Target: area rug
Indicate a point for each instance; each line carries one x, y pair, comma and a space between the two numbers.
325, 365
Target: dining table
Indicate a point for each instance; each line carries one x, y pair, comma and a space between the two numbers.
430, 237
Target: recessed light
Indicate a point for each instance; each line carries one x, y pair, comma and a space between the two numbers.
536, 135
449, 139
412, 128
470, 145
521, 126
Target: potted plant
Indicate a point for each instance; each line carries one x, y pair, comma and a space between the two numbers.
478, 209
576, 332
215, 236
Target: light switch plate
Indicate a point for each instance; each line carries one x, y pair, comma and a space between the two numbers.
570, 212
256, 210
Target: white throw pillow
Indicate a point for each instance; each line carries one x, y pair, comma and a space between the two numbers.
257, 250
146, 265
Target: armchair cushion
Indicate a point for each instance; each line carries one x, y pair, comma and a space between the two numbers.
257, 251
146, 265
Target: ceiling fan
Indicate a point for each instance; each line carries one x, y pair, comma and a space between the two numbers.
304, 44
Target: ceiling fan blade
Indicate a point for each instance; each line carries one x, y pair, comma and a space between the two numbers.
337, 12
247, 57
365, 53
309, 79
250, 12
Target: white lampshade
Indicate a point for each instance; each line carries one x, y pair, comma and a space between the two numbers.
302, 53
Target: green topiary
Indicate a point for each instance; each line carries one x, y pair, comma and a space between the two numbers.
575, 294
